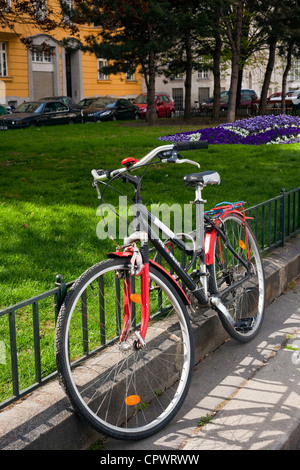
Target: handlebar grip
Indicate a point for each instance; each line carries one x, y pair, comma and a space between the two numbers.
101, 174
197, 145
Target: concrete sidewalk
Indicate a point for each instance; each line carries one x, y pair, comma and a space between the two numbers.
263, 411
252, 390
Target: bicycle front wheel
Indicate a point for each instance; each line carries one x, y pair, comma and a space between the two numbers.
122, 390
241, 288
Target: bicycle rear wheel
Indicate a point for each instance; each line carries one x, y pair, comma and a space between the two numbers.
123, 391
242, 291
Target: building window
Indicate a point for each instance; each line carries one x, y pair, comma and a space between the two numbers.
7, 5
40, 9
203, 94
102, 63
39, 55
130, 75
177, 94
68, 6
204, 73
3, 59
177, 76
294, 74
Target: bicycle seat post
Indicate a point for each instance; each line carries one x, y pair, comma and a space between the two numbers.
199, 202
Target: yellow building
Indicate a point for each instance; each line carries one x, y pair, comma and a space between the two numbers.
61, 69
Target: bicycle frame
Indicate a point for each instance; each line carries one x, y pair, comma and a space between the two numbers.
204, 251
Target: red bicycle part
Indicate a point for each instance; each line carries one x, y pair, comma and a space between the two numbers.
210, 236
143, 299
127, 306
127, 254
129, 161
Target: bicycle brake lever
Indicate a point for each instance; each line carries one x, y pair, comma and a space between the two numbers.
188, 161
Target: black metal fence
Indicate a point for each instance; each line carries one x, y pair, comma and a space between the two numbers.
275, 220
272, 221
249, 111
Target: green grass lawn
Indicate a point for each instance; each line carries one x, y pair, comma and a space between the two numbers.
48, 208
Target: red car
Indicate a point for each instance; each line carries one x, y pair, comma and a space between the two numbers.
164, 105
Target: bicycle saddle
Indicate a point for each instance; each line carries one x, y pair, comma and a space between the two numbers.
204, 178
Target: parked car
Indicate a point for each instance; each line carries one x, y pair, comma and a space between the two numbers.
39, 113
65, 99
275, 99
246, 100
164, 105
110, 109
295, 98
275, 96
249, 91
208, 104
87, 102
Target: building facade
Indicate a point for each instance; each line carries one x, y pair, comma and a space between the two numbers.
60, 69
253, 77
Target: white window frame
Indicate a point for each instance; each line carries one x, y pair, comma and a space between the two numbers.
203, 74
294, 74
102, 63
41, 56
69, 4
3, 59
130, 76
177, 76
7, 7
40, 9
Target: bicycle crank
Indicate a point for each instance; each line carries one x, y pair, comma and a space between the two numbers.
221, 309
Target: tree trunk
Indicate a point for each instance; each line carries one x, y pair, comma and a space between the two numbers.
267, 79
239, 87
151, 108
285, 75
233, 88
235, 45
188, 76
217, 76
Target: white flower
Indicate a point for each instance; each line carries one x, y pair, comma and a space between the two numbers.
195, 137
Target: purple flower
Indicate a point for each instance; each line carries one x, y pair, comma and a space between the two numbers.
255, 131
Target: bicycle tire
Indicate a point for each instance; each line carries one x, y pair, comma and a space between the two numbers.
124, 392
246, 302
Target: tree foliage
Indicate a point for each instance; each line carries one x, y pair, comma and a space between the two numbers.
132, 35
169, 36
15, 15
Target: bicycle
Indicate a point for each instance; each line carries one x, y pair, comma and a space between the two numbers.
252, 109
124, 345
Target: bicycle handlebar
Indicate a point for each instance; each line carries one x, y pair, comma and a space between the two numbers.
167, 153
197, 145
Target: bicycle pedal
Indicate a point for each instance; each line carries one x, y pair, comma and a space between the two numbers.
245, 324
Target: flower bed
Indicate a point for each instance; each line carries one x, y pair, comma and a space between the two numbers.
281, 129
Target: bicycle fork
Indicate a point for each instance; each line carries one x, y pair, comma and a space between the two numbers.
139, 266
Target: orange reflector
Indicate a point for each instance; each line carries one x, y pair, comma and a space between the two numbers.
136, 298
132, 400
242, 244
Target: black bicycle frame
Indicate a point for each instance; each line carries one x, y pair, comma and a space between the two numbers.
168, 256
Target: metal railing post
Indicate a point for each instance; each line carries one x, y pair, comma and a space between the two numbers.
282, 217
